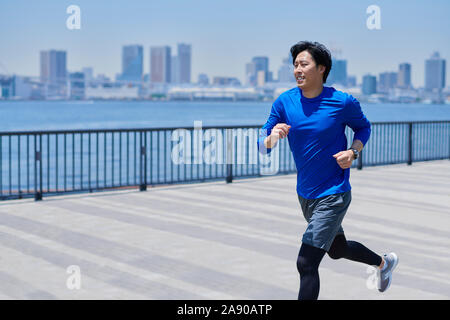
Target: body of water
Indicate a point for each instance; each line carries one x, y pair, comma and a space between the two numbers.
68, 115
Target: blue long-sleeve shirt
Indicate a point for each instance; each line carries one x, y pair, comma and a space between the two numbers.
317, 133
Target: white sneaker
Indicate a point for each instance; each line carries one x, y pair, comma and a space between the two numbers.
385, 275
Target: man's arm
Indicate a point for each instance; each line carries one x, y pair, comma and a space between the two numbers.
357, 144
345, 158
355, 119
270, 142
280, 131
267, 138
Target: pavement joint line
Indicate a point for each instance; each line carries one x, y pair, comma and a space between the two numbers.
281, 241
120, 266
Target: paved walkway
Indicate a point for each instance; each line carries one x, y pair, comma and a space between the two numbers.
224, 241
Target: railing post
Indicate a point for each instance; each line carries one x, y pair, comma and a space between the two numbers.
230, 157
38, 157
360, 165
410, 143
143, 166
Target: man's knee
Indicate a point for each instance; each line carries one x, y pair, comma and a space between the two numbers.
337, 253
339, 248
309, 259
302, 265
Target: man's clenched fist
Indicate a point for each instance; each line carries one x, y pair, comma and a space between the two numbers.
280, 131
344, 158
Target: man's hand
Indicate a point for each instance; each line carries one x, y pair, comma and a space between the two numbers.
344, 158
280, 131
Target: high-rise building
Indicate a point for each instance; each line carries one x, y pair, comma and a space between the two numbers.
160, 64
435, 72
269, 76
45, 66
53, 66
262, 64
253, 68
369, 84
250, 74
53, 75
260, 78
286, 71
184, 63
404, 75
387, 81
132, 63
338, 72
174, 70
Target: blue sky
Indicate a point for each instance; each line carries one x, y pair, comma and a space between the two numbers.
225, 34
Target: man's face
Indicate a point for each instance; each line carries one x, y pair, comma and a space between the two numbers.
307, 74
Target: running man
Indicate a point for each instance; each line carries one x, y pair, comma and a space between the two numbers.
313, 118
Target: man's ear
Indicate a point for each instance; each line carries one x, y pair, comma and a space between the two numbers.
321, 68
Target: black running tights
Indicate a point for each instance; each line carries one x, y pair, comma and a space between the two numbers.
310, 257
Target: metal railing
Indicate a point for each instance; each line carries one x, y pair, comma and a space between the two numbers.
37, 163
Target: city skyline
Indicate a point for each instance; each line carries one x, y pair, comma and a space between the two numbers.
56, 82
338, 75
168, 69
224, 36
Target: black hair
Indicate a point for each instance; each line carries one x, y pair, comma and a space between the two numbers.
318, 51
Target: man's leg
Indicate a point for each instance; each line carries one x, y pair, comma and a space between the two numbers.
308, 262
352, 250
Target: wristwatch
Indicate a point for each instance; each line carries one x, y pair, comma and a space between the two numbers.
355, 153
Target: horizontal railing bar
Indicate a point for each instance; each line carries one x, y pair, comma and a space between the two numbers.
77, 131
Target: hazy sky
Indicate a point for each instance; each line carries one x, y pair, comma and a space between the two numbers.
225, 34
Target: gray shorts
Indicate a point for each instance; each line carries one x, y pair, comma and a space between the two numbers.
324, 216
